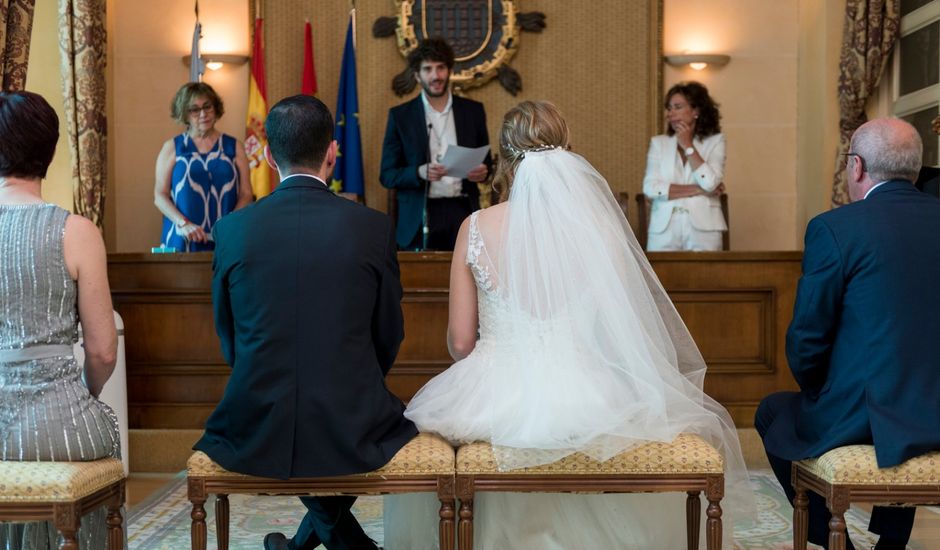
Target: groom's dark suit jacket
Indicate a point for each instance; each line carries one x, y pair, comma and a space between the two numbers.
405, 148
864, 343
307, 305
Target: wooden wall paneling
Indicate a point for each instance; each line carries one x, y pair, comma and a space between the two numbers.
737, 306
728, 334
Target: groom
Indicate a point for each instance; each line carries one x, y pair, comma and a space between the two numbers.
307, 305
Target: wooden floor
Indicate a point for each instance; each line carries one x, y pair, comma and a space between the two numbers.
926, 525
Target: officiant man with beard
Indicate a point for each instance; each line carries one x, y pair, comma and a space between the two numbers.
416, 138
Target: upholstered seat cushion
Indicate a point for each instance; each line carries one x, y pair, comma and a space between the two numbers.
38, 482
426, 454
687, 454
856, 465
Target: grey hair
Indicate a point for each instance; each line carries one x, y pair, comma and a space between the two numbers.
891, 147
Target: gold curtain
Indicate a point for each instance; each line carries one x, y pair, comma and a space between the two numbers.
869, 33
16, 24
82, 42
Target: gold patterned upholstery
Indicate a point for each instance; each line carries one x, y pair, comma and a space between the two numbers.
36, 482
426, 454
856, 465
687, 454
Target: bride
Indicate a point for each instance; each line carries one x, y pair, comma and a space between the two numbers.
565, 341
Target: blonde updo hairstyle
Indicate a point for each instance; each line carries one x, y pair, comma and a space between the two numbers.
529, 126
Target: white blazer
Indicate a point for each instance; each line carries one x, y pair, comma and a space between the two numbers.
664, 167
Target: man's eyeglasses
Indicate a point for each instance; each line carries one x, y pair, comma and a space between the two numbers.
845, 159
195, 109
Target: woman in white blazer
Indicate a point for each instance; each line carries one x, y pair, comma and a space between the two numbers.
684, 171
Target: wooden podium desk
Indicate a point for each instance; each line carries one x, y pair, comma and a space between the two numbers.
737, 306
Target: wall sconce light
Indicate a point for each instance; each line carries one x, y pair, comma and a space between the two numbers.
697, 61
214, 61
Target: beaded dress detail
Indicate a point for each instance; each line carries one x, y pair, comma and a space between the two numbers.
46, 411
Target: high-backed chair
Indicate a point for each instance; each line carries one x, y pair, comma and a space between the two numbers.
425, 464
63, 492
114, 393
643, 208
623, 199
851, 474
688, 464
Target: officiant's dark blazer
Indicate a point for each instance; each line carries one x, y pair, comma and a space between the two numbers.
405, 148
307, 305
864, 343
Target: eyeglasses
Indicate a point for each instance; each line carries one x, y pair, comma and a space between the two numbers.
195, 109
845, 160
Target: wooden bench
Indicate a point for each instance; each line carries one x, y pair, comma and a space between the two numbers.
63, 492
688, 464
425, 464
851, 474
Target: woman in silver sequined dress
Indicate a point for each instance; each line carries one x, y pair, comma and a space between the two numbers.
53, 272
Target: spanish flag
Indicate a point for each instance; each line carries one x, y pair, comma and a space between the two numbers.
255, 138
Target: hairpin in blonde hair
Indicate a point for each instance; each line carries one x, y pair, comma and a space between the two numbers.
537, 149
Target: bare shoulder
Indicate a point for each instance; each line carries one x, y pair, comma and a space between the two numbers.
82, 243
494, 214
81, 233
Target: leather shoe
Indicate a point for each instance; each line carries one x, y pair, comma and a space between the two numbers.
275, 541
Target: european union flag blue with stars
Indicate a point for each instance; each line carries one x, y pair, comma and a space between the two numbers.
347, 175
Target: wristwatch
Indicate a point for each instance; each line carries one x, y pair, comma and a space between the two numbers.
182, 223
689, 151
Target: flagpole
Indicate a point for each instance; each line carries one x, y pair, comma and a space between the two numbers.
352, 14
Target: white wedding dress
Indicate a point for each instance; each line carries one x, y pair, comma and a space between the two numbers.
579, 349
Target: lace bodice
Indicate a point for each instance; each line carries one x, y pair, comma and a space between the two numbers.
485, 277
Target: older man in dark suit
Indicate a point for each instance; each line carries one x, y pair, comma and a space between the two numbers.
860, 343
307, 306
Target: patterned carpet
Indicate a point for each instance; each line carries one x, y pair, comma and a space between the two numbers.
161, 522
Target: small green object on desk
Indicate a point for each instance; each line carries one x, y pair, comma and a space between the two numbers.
163, 250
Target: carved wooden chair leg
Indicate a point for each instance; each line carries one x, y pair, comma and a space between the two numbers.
713, 525
693, 512
115, 521
446, 494
67, 521
465, 525
198, 529
838, 504
800, 516
447, 515
714, 492
221, 521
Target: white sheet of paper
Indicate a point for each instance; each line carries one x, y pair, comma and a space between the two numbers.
460, 160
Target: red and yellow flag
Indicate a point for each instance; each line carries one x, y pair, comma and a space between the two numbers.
255, 138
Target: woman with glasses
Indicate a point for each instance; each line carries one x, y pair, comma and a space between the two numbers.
202, 174
684, 171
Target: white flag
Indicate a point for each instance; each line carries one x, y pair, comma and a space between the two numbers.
196, 66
